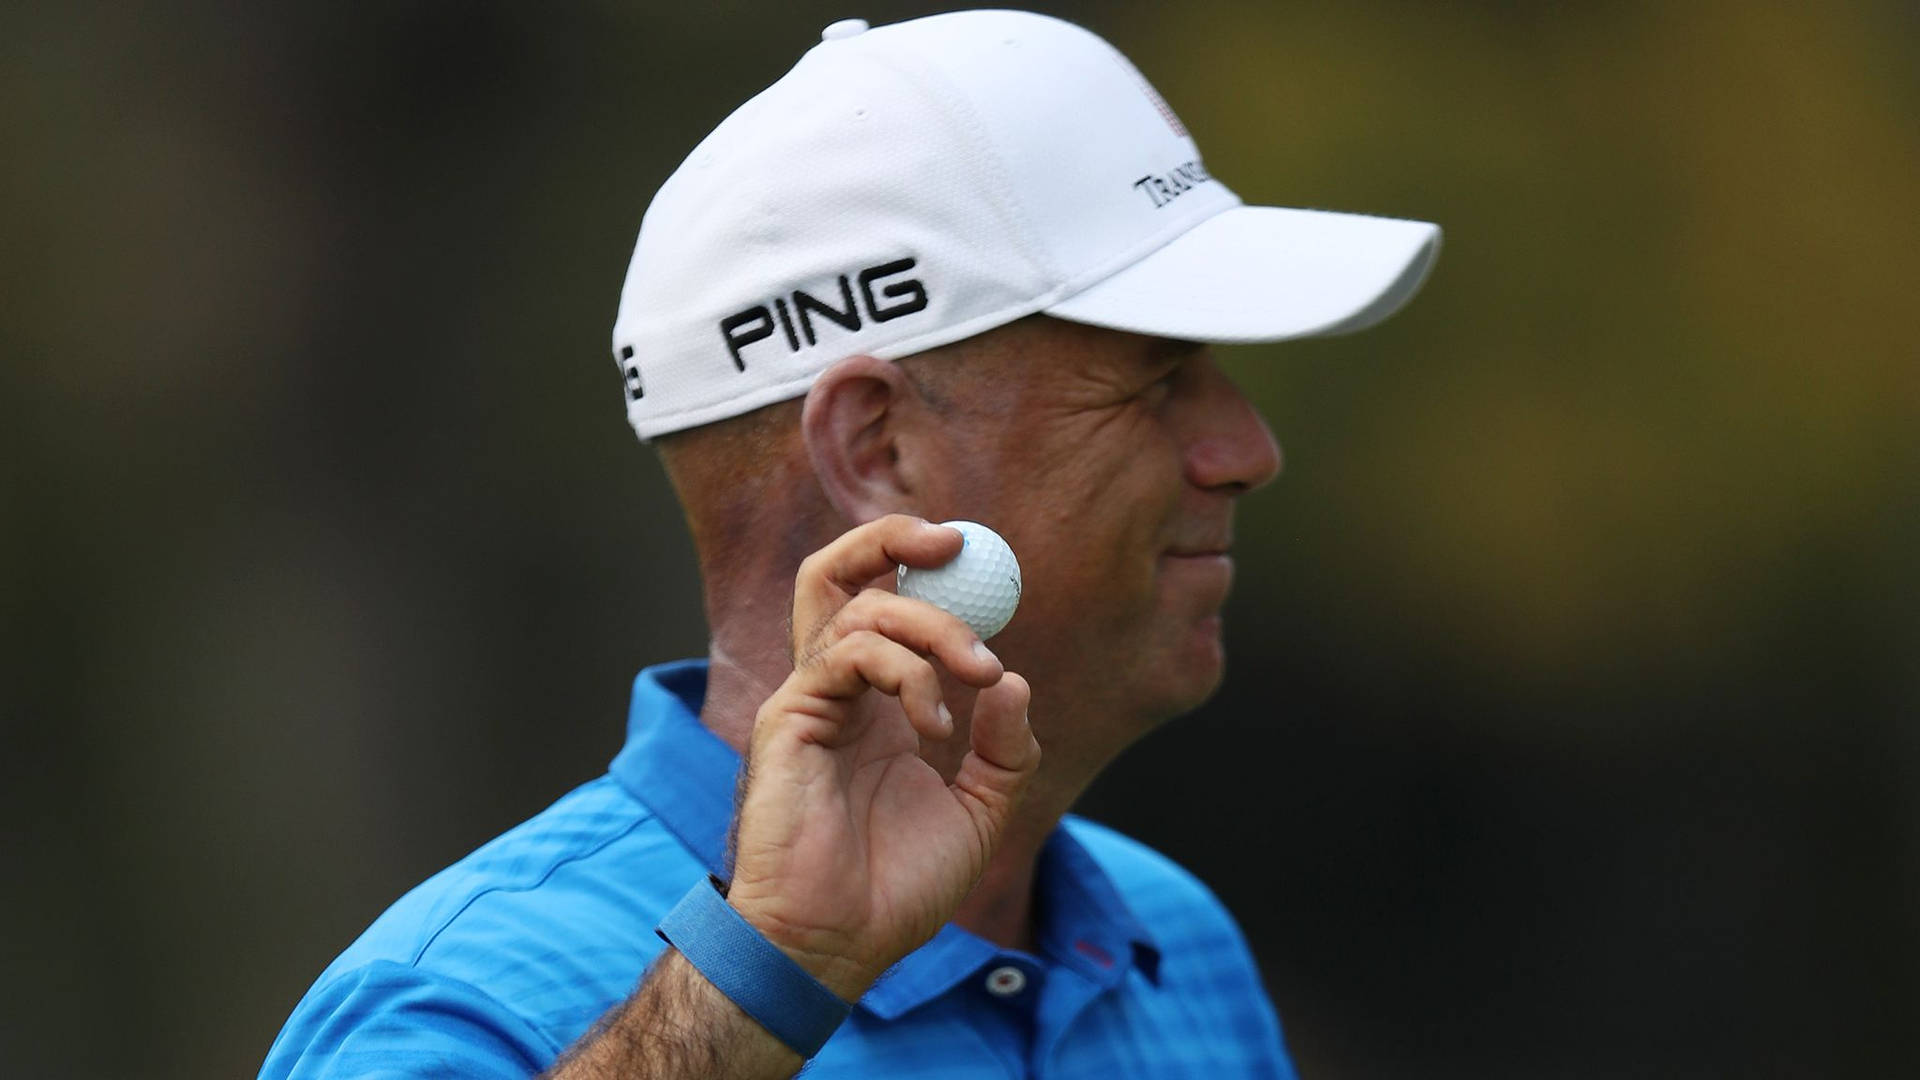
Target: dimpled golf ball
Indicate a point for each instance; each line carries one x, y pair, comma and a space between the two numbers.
981, 585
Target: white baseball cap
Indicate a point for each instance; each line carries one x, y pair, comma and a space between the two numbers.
910, 185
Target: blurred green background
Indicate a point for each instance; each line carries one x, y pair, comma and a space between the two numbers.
1573, 727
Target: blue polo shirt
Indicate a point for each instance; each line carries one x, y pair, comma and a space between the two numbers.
497, 964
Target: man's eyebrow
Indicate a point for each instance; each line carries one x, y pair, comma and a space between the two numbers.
1165, 350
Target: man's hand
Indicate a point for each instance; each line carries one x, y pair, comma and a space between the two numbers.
850, 850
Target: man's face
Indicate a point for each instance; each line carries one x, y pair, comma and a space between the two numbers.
1110, 461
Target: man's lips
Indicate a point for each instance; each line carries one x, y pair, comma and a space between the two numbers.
1201, 573
1202, 540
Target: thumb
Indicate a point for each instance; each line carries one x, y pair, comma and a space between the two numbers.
1005, 755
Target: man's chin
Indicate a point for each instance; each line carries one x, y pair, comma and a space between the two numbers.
1191, 673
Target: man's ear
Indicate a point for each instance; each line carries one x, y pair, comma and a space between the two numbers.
852, 423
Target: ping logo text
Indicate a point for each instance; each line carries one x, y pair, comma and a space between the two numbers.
883, 295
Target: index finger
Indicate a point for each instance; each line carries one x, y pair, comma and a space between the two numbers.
835, 574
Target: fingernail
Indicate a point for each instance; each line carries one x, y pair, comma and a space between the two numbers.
980, 650
946, 716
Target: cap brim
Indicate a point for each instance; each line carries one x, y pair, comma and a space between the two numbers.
1265, 273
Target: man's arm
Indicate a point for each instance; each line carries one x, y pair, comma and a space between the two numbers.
850, 850
676, 1024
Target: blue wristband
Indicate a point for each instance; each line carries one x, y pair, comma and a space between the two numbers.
779, 994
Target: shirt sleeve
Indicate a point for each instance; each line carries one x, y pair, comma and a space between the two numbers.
386, 1021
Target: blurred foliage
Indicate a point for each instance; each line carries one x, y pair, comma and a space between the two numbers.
1572, 722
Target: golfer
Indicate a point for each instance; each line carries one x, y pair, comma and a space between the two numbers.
963, 267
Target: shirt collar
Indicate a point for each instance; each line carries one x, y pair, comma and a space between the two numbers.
1083, 920
1083, 925
677, 768
685, 775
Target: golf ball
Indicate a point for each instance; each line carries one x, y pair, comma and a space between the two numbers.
981, 585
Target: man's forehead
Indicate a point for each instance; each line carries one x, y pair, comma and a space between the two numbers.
1066, 341
1098, 350
1034, 361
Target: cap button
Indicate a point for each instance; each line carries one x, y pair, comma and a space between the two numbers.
843, 29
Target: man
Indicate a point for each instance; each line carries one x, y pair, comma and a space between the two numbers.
958, 267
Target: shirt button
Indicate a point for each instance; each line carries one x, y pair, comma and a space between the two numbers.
1006, 981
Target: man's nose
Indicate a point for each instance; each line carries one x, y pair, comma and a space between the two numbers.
1233, 450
